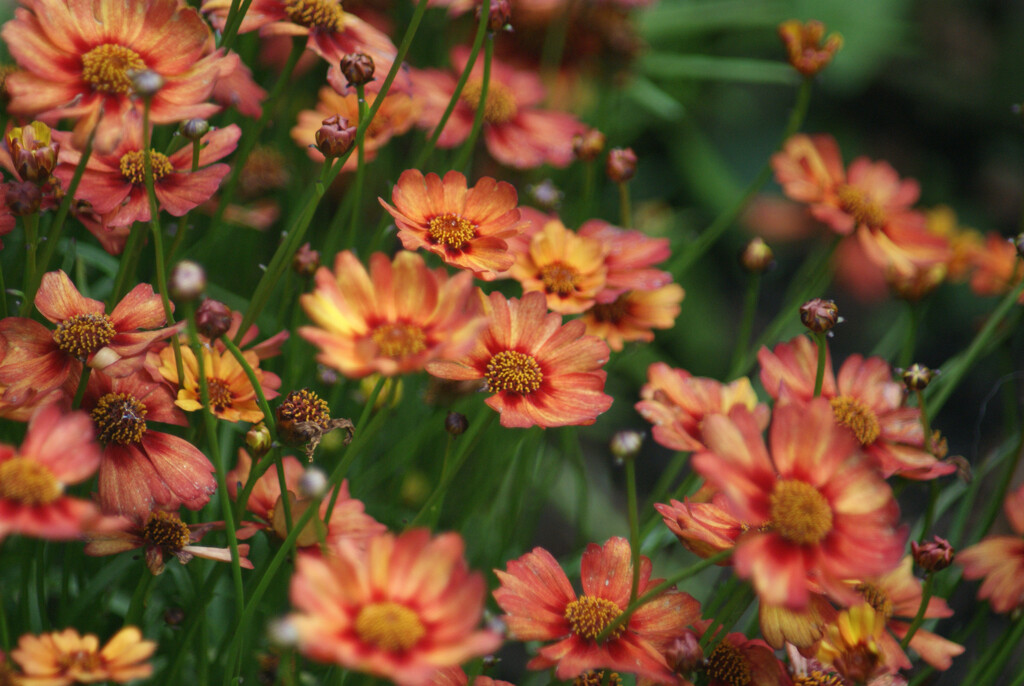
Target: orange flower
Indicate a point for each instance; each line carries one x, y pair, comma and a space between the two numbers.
541, 605
542, 372
997, 267
391, 320
633, 315
144, 469
850, 644
232, 397
705, 529
38, 360
864, 399
455, 676
629, 257
568, 268
65, 657
817, 510
466, 228
77, 58
741, 660
676, 403
58, 450
162, 533
1000, 560
403, 609
804, 47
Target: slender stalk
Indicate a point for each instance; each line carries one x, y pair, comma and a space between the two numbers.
625, 208
236, 13
1009, 646
634, 526
83, 383
126, 265
462, 161
357, 190
915, 624
139, 599
819, 378
907, 352
747, 322
357, 435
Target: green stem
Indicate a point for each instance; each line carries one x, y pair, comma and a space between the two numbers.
357, 190
625, 209
126, 266
634, 526
139, 599
1010, 646
357, 438
179, 235
909, 343
234, 20
83, 383
926, 595
747, 323
819, 378
462, 161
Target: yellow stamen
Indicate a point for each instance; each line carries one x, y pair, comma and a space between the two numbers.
25, 481
588, 616
727, 664
858, 417
451, 230
120, 418
514, 372
876, 598
800, 513
389, 626
861, 207
398, 341
134, 171
559, 278
108, 67
83, 334
221, 397
165, 529
500, 106
316, 14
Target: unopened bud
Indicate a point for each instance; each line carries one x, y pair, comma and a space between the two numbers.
257, 439
917, 377
213, 318
23, 198
685, 654
194, 129
187, 281
588, 146
306, 261
621, 164
626, 444
456, 423
147, 82
757, 256
33, 151
500, 17
313, 483
933, 556
819, 315
357, 68
335, 137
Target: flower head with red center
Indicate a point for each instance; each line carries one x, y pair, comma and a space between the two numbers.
818, 512
113, 182
541, 605
541, 372
392, 320
77, 60
676, 402
402, 609
39, 360
516, 131
634, 315
58, 450
999, 560
864, 399
142, 469
62, 658
467, 228
568, 268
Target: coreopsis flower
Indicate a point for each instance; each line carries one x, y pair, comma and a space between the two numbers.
142, 469
466, 227
232, 397
864, 399
58, 450
997, 266
394, 117
61, 658
162, 533
456, 676
676, 403
568, 268
38, 360
516, 131
630, 257
898, 594
541, 605
402, 609
806, 46
817, 510
77, 60
392, 320
348, 518
705, 529
850, 644
999, 560
113, 182
741, 660
541, 372
811, 672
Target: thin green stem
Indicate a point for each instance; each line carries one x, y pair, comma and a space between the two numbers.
126, 265
357, 189
139, 599
910, 341
83, 383
465, 154
1010, 645
747, 322
625, 208
634, 526
915, 624
819, 378
236, 13
357, 436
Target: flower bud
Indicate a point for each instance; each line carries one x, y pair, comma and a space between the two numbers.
335, 137
917, 377
357, 68
23, 198
306, 261
933, 556
187, 282
213, 318
147, 82
33, 152
194, 129
313, 483
257, 439
819, 315
500, 17
804, 47
625, 445
456, 423
685, 653
757, 256
588, 146
621, 164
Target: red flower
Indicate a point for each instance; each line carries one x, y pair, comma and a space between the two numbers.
541, 605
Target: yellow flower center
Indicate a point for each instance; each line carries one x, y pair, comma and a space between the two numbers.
612, 312
398, 341
817, 678
83, 334
120, 418
108, 68
304, 406
876, 598
389, 626
514, 372
25, 481
221, 397
594, 678
165, 529
800, 513
134, 171
315, 14
588, 617
559, 278
451, 230
80, 663
500, 105
860, 206
729, 665
857, 417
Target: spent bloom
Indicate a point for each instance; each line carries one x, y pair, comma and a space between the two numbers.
807, 48
61, 658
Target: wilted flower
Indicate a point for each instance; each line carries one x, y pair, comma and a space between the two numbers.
804, 46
